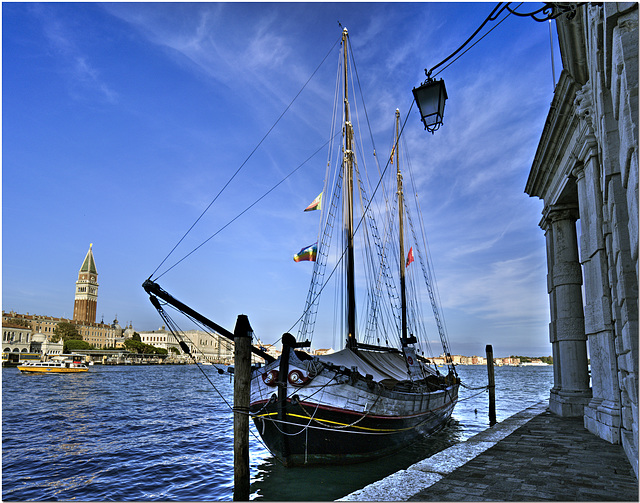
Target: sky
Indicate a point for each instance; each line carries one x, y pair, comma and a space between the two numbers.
122, 121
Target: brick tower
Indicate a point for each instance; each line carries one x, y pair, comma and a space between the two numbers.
86, 302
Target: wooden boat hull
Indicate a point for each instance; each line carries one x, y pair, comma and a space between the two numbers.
334, 419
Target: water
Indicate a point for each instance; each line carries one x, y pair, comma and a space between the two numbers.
154, 433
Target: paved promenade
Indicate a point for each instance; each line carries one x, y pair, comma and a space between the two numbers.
531, 456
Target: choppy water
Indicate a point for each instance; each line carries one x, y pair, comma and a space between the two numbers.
163, 433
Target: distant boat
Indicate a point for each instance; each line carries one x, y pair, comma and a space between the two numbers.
537, 363
57, 365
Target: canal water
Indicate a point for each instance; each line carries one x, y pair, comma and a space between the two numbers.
159, 433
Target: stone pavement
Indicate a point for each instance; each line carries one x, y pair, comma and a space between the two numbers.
531, 456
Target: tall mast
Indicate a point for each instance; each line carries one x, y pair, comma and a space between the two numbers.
348, 177
403, 289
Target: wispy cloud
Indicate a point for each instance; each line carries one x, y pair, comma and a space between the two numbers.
84, 77
508, 290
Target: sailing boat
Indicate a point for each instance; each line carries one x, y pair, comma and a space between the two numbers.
366, 400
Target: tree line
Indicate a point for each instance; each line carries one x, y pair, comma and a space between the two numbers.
68, 333
527, 359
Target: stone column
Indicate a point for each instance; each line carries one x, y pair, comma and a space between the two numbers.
569, 397
557, 371
602, 414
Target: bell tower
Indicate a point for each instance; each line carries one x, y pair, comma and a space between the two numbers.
86, 301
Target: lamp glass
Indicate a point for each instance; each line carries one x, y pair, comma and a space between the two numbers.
431, 97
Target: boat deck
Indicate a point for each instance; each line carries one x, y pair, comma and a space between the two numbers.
531, 456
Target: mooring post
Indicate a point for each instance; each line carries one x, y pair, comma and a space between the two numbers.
492, 386
241, 395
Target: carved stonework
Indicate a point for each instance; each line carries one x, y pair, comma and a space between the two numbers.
584, 106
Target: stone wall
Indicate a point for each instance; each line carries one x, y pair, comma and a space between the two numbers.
586, 170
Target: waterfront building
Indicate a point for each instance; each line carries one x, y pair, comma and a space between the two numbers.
100, 335
41, 344
161, 338
86, 300
16, 338
204, 346
586, 171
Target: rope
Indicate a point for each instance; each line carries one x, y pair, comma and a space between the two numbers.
346, 425
245, 210
470, 397
242, 165
495, 13
464, 385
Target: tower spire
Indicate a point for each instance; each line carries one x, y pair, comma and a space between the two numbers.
86, 299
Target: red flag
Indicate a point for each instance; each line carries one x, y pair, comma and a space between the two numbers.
410, 256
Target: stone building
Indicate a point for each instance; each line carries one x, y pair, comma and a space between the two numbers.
16, 338
204, 346
86, 299
100, 335
586, 172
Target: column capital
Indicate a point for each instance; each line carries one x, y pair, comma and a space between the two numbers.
587, 148
556, 212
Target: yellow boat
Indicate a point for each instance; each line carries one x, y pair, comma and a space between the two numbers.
56, 365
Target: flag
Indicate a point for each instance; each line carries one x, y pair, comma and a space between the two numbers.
392, 151
316, 204
410, 256
309, 253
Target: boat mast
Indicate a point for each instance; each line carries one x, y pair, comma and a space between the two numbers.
348, 178
403, 289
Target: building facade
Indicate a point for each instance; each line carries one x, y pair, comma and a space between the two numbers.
204, 346
586, 172
86, 299
16, 338
100, 335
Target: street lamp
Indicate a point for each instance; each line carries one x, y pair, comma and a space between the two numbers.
431, 97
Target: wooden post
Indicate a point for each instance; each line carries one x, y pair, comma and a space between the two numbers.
241, 396
492, 386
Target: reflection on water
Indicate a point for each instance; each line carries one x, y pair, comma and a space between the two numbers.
162, 433
327, 483
516, 389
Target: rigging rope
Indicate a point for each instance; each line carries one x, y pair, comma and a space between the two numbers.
495, 13
246, 209
175, 329
241, 166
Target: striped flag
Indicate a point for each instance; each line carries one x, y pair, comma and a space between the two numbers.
316, 204
309, 253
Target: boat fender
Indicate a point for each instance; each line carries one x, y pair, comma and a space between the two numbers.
270, 378
297, 378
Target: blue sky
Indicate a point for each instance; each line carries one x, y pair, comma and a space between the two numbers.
122, 121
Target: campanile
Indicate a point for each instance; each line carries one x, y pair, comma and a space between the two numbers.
86, 301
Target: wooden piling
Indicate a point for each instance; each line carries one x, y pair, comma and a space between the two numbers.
241, 396
492, 386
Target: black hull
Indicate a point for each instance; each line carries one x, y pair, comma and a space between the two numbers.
311, 434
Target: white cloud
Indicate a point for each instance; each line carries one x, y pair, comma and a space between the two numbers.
508, 291
83, 75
